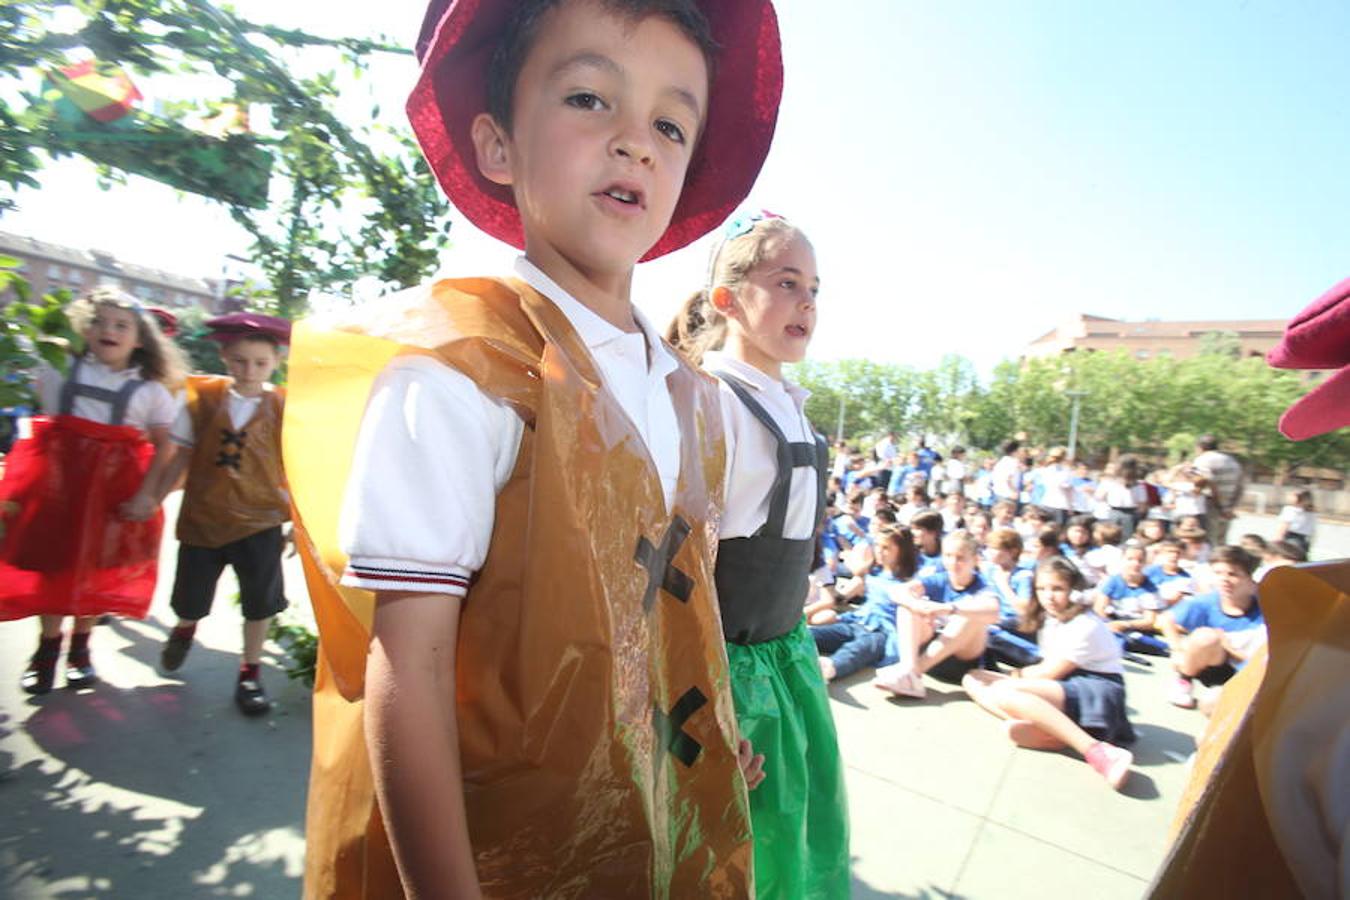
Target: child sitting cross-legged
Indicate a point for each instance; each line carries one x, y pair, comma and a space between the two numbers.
942, 625
1075, 697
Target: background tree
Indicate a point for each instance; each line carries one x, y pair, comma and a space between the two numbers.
324, 166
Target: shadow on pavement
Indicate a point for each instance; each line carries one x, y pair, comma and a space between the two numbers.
160, 790
1158, 746
861, 890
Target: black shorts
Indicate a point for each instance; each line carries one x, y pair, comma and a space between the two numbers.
256, 560
952, 669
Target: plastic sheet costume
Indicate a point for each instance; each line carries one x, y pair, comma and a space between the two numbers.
65, 550
597, 732
800, 811
238, 486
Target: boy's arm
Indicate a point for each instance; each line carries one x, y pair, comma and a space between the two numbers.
413, 740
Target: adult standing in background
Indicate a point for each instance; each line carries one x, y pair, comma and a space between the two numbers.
1007, 474
1226, 480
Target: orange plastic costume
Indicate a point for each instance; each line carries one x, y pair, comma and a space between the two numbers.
597, 734
235, 483
1266, 812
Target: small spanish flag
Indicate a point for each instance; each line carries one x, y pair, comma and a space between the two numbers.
104, 96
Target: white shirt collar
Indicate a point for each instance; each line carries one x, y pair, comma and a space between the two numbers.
716, 360
93, 362
594, 331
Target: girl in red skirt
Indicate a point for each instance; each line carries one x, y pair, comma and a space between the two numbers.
81, 525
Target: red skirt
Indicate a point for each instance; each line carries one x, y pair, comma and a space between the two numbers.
65, 551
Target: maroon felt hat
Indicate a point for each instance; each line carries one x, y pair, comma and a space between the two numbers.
1318, 338
456, 43
167, 321
248, 324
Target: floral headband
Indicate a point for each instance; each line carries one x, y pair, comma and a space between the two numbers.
738, 226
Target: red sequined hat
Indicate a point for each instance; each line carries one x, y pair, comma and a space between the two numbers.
1318, 338
457, 41
245, 324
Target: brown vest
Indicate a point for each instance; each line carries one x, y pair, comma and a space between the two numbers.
235, 484
597, 735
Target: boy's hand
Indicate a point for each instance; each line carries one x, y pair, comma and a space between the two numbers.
752, 764
139, 508
288, 542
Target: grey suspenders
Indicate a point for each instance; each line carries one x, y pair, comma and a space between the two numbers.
791, 455
118, 399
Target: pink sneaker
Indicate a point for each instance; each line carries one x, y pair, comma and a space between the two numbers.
1110, 762
1183, 693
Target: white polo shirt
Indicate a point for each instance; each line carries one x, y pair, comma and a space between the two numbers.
433, 451
752, 451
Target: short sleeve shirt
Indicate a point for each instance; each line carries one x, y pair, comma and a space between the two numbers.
1130, 601
1204, 611
1084, 641
151, 406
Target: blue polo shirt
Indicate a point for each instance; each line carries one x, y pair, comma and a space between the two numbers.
1023, 584
1203, 611
938, 588
1129, 601
877, 612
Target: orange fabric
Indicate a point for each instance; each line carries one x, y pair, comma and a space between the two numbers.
564, 667
235, 484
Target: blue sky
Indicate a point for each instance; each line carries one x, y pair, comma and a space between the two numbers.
970, 173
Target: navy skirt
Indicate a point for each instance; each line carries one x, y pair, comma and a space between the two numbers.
1096, 701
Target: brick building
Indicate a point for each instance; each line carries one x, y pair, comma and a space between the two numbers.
1144, 340
51, 266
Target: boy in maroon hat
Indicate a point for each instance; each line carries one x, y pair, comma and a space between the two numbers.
235, 499
525, 605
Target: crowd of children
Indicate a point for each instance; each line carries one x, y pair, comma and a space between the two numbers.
1049, 575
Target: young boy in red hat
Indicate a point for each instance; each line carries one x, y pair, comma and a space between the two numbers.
517, 607
235, 500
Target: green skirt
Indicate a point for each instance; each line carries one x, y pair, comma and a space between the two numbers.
799, 814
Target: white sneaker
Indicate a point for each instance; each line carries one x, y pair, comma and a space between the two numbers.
902, 681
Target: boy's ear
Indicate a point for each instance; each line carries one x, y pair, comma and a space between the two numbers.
491, 148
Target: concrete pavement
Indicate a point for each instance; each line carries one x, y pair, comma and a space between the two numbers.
153, 787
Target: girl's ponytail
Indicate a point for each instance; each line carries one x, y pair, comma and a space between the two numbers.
697, 328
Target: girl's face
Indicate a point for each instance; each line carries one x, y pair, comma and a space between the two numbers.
1077, 536
113, 335
888, 554
773, 312
1153, 529
1055, 594
978, 527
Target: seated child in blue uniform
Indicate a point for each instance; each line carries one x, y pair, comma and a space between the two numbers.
866, 636
1213, 635
942, 625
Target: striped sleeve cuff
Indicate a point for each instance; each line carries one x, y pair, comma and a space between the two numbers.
400, 575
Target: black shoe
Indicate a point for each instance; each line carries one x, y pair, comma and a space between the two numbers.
80, 673
250, 697
175, 651
40, 675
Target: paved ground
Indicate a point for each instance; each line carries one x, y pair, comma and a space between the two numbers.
148, 787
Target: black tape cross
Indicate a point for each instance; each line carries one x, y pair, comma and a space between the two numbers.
661, 573
228, 437
669, 727
226, 458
